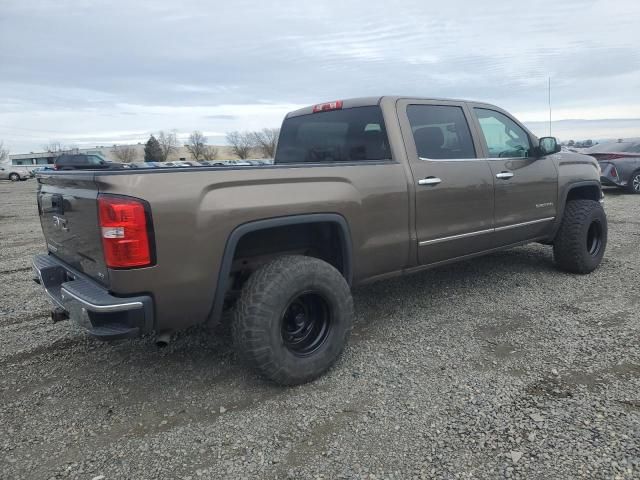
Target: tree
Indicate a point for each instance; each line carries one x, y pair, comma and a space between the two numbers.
210, 153
168, 143
56, 148
152, 150
125, 153
266, 140
198, 147
241, 143
4, 152
53, 147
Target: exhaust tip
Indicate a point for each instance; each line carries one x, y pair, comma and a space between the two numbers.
163, 339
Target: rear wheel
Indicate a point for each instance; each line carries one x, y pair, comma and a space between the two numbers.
633, 185
293, 319
581, 241
14, 177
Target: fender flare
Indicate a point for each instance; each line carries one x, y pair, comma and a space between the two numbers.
253, 226
572, 186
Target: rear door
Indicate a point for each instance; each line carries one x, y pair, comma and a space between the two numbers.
454, 188
68, 208
526, 187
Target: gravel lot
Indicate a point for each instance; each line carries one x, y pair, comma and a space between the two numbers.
497, 367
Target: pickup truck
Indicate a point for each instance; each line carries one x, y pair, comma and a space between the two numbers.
360, 190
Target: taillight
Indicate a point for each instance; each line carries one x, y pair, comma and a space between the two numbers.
123, 227
613, 172
323, 107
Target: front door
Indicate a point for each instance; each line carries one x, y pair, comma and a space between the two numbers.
526, 187
453, 187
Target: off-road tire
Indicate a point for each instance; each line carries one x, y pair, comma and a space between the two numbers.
257, 328
574, 248
633, 185
14, 177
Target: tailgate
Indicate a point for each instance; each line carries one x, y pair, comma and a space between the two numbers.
68, 208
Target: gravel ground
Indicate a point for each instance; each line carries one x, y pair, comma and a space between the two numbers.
501, 367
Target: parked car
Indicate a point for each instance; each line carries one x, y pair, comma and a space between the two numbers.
360, 190
37, 170
7, 172
620, 163
81, 161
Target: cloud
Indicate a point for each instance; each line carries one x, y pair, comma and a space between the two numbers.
85, 67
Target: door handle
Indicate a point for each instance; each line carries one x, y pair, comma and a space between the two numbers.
504, 175
433, 181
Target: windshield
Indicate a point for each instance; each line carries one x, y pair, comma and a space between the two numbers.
352, 134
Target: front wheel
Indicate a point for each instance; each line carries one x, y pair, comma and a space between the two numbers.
582, 238
293, 319
14, 177
633, 186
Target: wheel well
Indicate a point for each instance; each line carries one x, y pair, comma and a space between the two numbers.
323, 240
584, 192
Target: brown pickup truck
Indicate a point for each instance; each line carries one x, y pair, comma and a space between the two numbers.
359, 190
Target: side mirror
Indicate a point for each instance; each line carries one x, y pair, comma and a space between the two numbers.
548, 146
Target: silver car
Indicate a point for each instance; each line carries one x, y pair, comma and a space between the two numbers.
7, 172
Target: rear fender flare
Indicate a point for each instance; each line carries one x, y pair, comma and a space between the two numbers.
241, 230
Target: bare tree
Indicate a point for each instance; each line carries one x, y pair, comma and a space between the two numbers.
125, 153
210, 153
56, 148
168, 143
4, 152
266, 140
241, 143
53, 147
197, 145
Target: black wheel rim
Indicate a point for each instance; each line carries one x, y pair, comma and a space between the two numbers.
636, 183
306, 322
594, 238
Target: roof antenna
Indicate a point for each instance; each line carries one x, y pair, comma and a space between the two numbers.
549, 106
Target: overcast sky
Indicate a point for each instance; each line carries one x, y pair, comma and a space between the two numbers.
96, 73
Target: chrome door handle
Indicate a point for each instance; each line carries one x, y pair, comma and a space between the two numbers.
504, 175
429, 181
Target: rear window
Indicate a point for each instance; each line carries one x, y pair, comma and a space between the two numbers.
616, 147
349, 135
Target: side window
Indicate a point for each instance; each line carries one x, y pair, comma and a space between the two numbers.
504, 137
440, 132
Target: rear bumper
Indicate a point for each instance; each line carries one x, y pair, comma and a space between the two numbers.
89, 304
609, 182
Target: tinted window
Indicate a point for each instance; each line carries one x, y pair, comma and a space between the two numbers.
504, 137
440, 132
348, 135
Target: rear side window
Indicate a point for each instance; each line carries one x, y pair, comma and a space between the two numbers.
440, 132
349, 135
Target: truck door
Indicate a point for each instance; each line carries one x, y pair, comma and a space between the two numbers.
526, 187
453, 187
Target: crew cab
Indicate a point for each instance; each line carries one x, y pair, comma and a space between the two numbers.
360, 190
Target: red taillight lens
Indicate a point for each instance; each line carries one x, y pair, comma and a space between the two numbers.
323, 107
613, 172
123, 226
